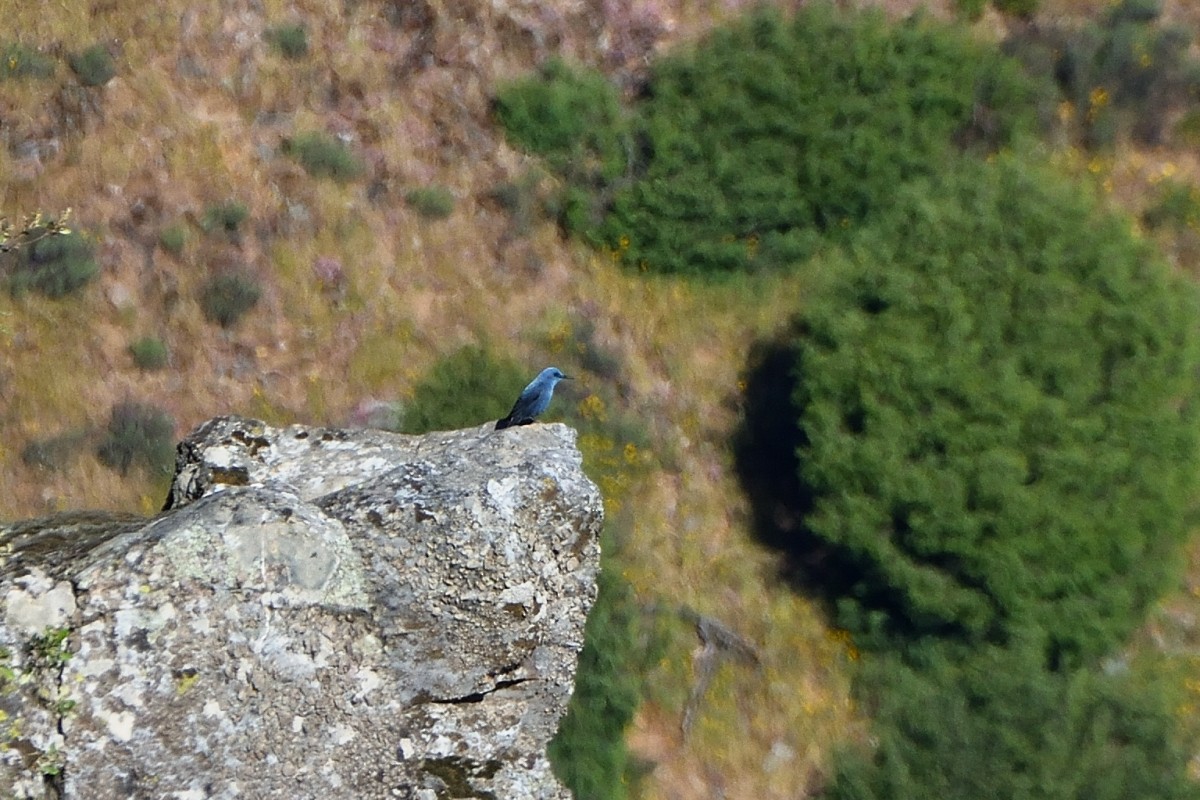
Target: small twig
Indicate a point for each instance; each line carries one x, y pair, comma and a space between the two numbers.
720, 642
31, 230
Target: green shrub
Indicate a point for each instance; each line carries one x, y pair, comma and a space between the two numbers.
970, 9
1136, 11
291, 40
93, 66
1187, 129
464, 389
138, 435
522, 200
432, 202
1176, 203
55, 264
323, 156
973, 9
996, 394
572, 117
774, 133
227, 216
149, 353
1017, 8
589, 753
770, 136
226, 298
173, 238
19, 61
1000, 725
54, 452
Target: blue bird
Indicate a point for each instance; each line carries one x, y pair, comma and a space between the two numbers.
534, 399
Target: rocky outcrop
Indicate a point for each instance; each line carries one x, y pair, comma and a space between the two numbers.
318, 613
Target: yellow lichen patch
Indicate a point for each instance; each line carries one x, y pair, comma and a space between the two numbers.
186, 683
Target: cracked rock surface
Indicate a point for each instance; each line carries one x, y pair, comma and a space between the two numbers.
318, 613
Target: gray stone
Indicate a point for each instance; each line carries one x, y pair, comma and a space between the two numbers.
317, 614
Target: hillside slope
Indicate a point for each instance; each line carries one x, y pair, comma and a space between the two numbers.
364, 285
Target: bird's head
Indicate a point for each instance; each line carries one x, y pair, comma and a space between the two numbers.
554, 374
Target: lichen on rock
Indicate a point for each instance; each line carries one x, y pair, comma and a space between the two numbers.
317, 613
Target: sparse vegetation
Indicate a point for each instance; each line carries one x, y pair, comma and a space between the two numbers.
226, 216
56, 264
521, 200
138, 435
49, 649
93, 65
331, 276
432, 202
972, 9
20, 61
173, 238
323, 156
1177, 204
227, 297
1125, 74
149, 353
54, 452
291, 40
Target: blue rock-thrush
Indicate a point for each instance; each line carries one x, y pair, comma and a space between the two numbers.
533, 399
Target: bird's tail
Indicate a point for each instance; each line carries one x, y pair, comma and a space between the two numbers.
503, 423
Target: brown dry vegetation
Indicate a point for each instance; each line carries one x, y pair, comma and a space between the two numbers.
197, 115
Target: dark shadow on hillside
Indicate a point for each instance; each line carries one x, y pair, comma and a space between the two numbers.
767, 466
766, 444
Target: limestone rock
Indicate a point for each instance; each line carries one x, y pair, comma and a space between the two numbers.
317, 614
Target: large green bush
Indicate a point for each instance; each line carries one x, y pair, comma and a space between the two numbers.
768, 137
999, 725
997, 407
